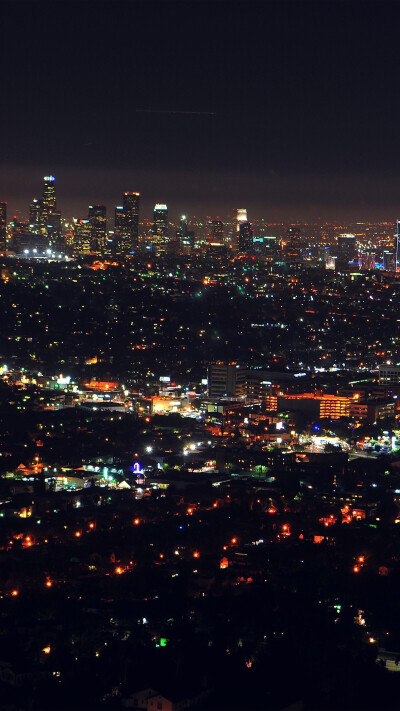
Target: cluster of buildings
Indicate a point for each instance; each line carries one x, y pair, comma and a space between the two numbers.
46, 234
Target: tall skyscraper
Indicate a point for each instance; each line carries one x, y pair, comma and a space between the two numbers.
347, 247
49, 199
239, 216
293, 244
43, 214
3, 225
215, 232
130, 202
98, 224
49, 193
82, 236
246, 234
397, 247
160, 227
35, 212
127, 223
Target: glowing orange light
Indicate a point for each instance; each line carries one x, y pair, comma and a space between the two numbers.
136, 521
190, 511
78, 534
233, 540
161, 555
271, 510
361, 559
91, 525
119, 570
14, 593
356, 569
48, 584
196, 554
46, 650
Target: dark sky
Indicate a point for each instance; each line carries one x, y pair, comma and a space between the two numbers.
306, 97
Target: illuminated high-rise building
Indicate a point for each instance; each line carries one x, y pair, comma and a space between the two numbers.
239, 216
127, 223
98, 224
3, 225
160, 227
226, 380
82, 236
43, 214
35, 213
130, 203
49, 193
292, 246
397, 246
215, 232
53, 227
118, 219
347, 247
246, 235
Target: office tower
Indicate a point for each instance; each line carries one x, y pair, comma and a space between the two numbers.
389, 260
215, 232
35, 212
397, 246
185, 235
130, 231
43, 213
246, 235
226, 380
49, 199
3, 225
98, 224
118, 220
82, 236
183, 228
292, 249
127, 223
346, 247
53, 227
239, 216
366, 260
160, 227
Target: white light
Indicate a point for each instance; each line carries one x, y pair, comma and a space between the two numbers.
149, 449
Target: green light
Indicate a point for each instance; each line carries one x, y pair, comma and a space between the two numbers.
163, 641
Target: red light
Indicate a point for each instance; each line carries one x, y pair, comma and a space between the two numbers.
78, 534
91, 525
234, 540
14, 593
196, 554
356, 569
119, 570
136, 521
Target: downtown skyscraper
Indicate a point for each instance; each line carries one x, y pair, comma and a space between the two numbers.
127, 223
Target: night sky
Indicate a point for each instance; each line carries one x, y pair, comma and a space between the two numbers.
301, 105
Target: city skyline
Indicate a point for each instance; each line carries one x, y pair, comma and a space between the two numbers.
289, 107
18, 195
